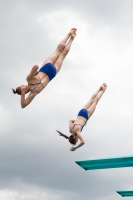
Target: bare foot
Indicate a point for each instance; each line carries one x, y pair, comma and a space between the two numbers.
73, 35
104, 86
73, 30
101, 87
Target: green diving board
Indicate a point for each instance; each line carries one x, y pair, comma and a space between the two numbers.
128, 193
106, 163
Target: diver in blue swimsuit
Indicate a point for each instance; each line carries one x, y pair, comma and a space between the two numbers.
76, 126
38, 80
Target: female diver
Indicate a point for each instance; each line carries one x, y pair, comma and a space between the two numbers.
76, 126
38, 80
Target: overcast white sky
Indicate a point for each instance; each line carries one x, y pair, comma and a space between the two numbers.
35, 163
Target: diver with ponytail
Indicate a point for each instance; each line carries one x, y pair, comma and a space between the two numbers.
38, 79
76, 126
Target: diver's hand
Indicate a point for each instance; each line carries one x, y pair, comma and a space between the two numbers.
73, 148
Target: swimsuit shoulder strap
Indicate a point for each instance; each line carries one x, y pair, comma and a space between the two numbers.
40, 80
36, 84
75, 125
82, 126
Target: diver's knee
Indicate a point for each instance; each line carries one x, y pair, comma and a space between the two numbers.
61, 47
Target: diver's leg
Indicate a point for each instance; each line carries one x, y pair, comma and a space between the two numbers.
60, 59
61, 46
92, 108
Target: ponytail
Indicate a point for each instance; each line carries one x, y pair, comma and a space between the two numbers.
18, 90
14, 91
71, 139
63, 135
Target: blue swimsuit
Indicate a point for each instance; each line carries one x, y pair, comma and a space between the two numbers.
83, 113
49, 70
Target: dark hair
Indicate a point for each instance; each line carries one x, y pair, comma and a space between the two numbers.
71, 139
18, 90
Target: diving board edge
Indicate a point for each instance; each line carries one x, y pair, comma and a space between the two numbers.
104, 163
126, 193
